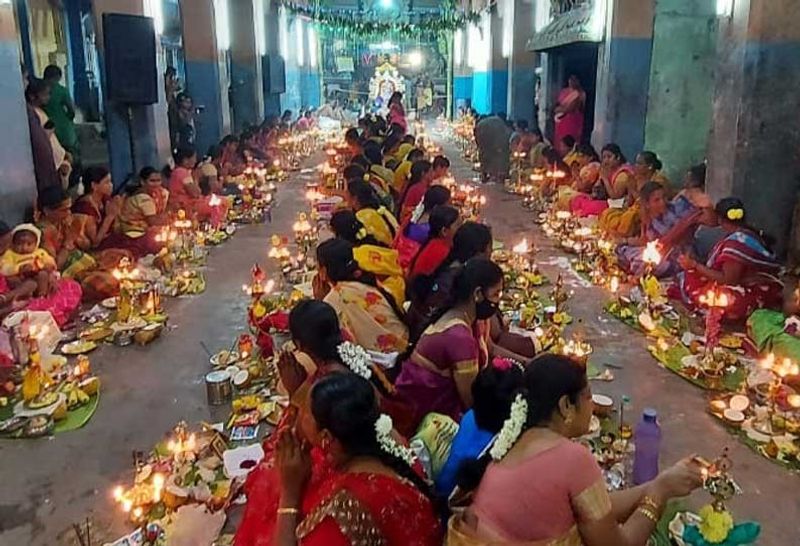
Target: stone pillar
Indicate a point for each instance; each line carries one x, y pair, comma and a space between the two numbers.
247, 88
145, 126
490, 82
272, 101
462, 73
206, 72
681, 87
18, 187
754, 143
522, 64
623, 74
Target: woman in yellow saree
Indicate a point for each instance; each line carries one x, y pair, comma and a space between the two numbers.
378, 221
367, 312
538, 487
625, 221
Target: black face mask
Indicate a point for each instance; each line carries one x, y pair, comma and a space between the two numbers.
485, 309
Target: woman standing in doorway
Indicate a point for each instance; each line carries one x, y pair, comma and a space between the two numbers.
569, 110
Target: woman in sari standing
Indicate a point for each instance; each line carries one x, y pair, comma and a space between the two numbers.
370, 315
624, 221
438, 373
536, 486
741, 264
142, 215
569, 109
671, 223
397, 114
371, 495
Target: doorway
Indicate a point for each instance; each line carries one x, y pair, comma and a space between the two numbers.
579, 59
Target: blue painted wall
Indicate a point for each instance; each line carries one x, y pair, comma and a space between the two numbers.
490, 91
202, 82
243, 96
302, 89
462, 87
622, 94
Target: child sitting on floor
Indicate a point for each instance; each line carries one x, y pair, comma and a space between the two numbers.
26, 260
775, 331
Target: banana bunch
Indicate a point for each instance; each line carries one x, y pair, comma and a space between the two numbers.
75, 396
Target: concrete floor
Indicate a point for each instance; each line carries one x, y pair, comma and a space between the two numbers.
47, 484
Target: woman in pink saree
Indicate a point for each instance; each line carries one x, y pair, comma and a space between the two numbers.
569, 110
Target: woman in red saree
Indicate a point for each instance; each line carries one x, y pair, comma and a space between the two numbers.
569, 110
371, 496
397, 114
740, 262
97, 208
617, 180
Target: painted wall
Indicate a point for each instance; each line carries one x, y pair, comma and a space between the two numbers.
522, 65
754, 150
623, 75
18, 186
247, 91
681, 88
490, 91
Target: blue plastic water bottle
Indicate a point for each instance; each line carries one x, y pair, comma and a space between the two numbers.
647, 438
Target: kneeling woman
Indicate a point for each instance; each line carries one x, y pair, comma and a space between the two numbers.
537, 486
741, 261
367, 312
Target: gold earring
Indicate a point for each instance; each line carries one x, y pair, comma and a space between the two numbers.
568, 419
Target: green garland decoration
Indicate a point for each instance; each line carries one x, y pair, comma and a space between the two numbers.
355, 24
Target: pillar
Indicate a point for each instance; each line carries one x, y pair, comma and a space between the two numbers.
292, 98
247, 88
522, 63
272, 100
18, 187
623, 74
206, 72
490, 78
679, 106
462, 73
754, 143
146, 132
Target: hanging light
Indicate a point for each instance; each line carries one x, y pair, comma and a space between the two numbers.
415, 58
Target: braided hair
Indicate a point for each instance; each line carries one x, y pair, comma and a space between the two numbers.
347, 226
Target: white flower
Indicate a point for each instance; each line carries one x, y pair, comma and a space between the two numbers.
356, 358
383, 433
512, 428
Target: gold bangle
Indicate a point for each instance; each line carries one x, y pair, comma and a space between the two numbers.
648, 514
650, 502
288, 511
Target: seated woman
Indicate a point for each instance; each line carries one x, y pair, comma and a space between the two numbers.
624, 221
371, 256
437, 376
403, 170
778, 332
211, 207
444, 221
371, 494
379, 222
537, 486
616, 180
184, 192
142, 215
357, 171
741, 262
670, 223
367, 312
415, 232
64, 239
97, 208
583, 182
17, 293
419, 181
492, 393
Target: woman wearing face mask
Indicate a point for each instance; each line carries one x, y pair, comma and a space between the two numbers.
537, 486
437, 376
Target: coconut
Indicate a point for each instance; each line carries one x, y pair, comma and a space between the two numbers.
739, 402
241, 379
733, 416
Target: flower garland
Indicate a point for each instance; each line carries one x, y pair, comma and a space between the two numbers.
356, 358
512, 428
351, 21
383, 432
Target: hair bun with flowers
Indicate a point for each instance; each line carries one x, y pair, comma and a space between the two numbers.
356, 358
383, 433
512, 428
